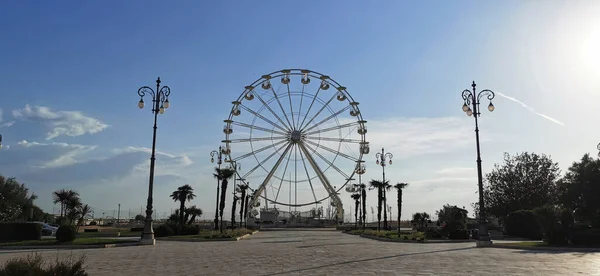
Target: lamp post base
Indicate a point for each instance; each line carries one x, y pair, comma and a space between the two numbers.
487, 243
148, 234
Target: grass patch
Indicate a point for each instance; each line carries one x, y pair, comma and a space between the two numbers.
79, 241
392, 235
109, 234
227, 234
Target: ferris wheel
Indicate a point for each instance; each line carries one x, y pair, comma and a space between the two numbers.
300, 136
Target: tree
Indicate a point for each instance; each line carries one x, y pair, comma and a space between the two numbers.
139, 217
400, 187
386, 188
13, 199
244, 201
183, 193
356, 198
61, 197
452, 218
420, 219
579, 190
223, 175
523, 182
233, 207
380, 186
84, 210
194, 212
72, 206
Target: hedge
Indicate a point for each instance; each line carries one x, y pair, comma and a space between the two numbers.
523, 224
20, 231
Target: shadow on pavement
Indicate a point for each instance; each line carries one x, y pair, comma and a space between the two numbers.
366, 260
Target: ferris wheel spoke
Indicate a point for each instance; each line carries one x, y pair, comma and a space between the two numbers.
333, 128
330, 190
263, 117
246, 140
308, 177
257, 128
266, 105
283, 175
259, 150
300, 107
310, 106
328, 118
328, 162
333, 139
268, 177
318, 112
264, 160
291, 108
281, 106
354, 159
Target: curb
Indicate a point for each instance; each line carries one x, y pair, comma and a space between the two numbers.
206, 240
563, 249
82, 246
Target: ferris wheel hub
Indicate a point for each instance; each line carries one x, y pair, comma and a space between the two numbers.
296, 136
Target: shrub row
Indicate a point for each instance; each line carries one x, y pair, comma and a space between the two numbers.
171, 229
34, 265
20, 231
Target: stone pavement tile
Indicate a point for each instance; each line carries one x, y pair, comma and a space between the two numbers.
323, 253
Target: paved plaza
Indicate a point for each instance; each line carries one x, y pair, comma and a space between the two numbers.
323, 252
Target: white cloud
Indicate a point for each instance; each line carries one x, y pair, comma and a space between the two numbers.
531, 109
68, 153
61, 123
408, 137
456, 171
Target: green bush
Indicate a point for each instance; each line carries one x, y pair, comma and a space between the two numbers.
164, 230
34, 265
91, 230
458, 234
523, 224
190, 230
432, 233
137, 229
554, 232
20, 231
66, 233
585, 237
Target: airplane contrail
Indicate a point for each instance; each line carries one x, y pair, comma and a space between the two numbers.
531, 109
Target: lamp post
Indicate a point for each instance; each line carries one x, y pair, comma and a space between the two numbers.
0, 141
471, 107
219, 155
381, 160
597, 147
160, 102
360, 169
235, 167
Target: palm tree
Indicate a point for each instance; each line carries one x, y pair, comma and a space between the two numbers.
386, 188
72, 207
420, 219
223, 175
356, 198
399, 187
235, 200
244, 202
380, 186
363, 189
83, 210
194, 212
60, 196
183, 193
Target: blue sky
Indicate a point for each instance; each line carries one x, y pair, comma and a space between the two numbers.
70, 72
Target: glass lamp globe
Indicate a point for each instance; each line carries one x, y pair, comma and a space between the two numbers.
465, 107
141, 104
491, 107
469, 112
377, 162
390, 161
161, 110
212, 160
166, 104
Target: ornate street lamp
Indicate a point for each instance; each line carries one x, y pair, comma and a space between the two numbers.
160, 102
381, 160
0, 141
471, 107
219, 155
597, 147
